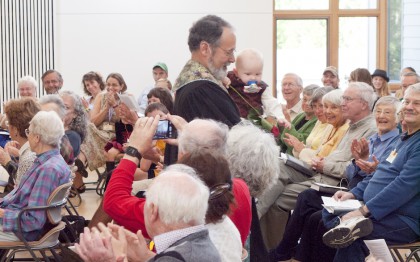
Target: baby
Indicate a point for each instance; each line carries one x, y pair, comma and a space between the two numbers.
252, 96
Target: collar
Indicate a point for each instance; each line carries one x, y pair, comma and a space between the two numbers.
405, 136
47, 155
390, 134
362, 122
24, 148
297, 108
165, 240
194, 71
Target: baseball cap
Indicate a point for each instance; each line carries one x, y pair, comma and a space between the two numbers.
331, 69
161, 65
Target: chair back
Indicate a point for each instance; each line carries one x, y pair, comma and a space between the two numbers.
57, 199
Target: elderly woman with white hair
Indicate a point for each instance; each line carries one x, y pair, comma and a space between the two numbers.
47, 173
27, 86
251, 153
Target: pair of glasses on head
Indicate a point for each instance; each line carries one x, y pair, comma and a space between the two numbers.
218, 190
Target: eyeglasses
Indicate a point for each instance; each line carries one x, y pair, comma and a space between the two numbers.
27, 132
288, 84
348, 99
384, 112
229, 53
415, 103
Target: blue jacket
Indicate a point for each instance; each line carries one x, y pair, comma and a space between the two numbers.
395, 186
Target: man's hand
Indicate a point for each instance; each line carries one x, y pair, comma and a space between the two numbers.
354, 213
318, 164
179, 124
284, 123
118, 241
342, 195
360, 149
366, 166
93, 247
143, 132
137, 249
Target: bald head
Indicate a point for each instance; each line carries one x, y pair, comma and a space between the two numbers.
203, 133
249, 65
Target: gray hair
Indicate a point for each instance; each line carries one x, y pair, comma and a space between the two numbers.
203, 134
310, 89
298, 79
48, 126
389, 100
183, 169
335, 97
365, 92
80, 122
29, 80
180, 198
208, 29
252, 155
319, 93
54, 99
412, 74
412, 88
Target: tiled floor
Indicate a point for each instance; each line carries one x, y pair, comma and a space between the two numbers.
90, 200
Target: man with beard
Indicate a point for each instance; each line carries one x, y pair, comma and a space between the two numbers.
199, 89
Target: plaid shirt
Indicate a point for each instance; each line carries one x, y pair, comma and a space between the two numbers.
47, 173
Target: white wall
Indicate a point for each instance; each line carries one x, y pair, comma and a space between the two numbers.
410, 34
129, 36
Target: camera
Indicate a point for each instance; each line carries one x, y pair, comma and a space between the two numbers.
164, 130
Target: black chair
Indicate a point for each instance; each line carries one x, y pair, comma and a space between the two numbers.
411, 251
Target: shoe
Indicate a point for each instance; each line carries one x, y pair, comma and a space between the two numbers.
81, 169
347, 232
75, 191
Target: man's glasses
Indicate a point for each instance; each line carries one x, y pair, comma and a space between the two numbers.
229, 53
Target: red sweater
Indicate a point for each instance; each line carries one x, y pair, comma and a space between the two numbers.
128, 210
119, 204
241, 214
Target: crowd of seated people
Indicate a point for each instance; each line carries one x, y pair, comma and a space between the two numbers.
223, 181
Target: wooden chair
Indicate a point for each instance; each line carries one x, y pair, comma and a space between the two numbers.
411, 251
49, 241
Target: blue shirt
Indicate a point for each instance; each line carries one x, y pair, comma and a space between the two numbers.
394, 188
379, 146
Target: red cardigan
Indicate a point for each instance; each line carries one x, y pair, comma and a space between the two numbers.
128, 210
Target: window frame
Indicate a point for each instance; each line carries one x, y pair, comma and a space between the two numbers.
332, 16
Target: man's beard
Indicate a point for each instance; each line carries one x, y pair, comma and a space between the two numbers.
218, 73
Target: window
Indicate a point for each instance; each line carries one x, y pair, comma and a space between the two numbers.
343, 33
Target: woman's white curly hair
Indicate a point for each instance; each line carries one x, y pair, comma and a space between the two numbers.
253, 156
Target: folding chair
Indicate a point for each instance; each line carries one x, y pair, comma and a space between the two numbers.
411, 251
54, 225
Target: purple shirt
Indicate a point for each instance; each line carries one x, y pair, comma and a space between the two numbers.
47, 173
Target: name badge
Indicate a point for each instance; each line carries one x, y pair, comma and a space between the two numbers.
108, 127
392, 156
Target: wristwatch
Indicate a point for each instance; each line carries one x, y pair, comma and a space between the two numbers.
132, 151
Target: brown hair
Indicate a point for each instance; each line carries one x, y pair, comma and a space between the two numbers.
361, 75
92, 76
120, 80
213, 168
155, 106
164, 96
20, 112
